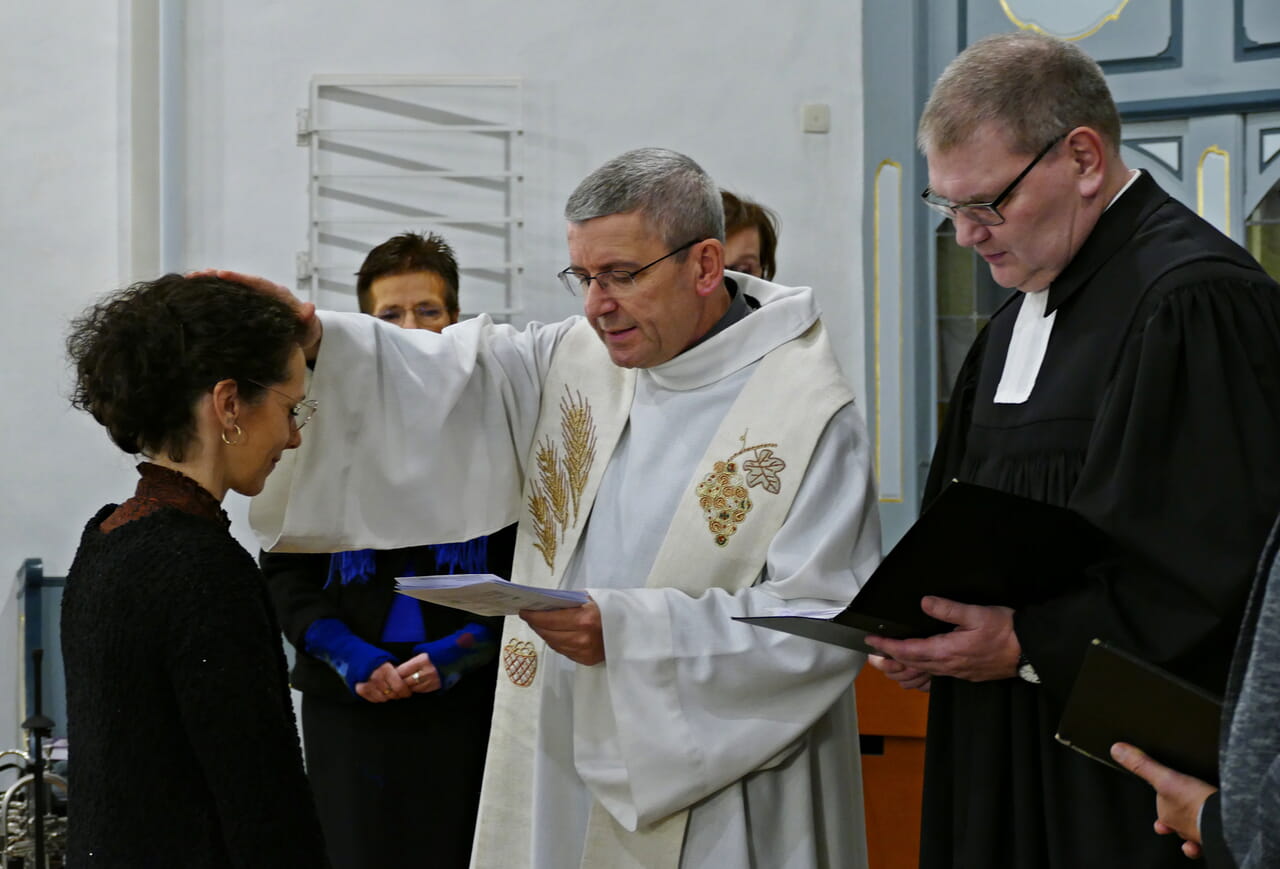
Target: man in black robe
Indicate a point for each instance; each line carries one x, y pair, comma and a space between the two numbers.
1135, 378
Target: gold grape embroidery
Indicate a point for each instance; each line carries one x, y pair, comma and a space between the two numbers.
724, 499
561, 476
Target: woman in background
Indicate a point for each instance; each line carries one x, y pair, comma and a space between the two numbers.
751, 237
397, 694
183, 746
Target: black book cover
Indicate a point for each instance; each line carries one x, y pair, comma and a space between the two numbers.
974, 545
1121, 698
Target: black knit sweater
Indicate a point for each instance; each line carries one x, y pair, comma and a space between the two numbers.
182, 745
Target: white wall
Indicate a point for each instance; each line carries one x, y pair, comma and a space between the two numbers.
600, 78
721, 80
58, 232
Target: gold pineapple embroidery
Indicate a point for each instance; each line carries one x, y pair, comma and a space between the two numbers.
722, 496
561, 477
520, 660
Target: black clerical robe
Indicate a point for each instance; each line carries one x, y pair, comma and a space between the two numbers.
1156, 415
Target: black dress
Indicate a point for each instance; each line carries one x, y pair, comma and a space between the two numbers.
397, 784
1155, 414
182, 745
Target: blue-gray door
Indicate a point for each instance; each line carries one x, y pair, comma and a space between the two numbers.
1198, 85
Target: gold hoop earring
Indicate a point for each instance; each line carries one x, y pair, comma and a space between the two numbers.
238, 433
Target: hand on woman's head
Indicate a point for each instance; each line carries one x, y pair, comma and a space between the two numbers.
306, 311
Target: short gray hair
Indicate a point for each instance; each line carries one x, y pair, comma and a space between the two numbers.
678, 199
1033, 86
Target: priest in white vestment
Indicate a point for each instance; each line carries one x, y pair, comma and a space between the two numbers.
686, 453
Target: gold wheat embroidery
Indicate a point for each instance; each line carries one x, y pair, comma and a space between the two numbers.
579, 433
562, 478
544, 526
722, 496
553, 481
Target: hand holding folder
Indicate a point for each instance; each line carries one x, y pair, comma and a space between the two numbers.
973, 545
1120, 698
1180, 798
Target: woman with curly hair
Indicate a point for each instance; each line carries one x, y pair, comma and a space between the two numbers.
183, 746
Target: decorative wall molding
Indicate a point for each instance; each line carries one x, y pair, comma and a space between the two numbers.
1174, 108
1246, 48
888, 297
1071, 21
1213, 188
1268, 146
1165, 150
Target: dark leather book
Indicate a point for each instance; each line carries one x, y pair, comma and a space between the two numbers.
974, 545
1118, 697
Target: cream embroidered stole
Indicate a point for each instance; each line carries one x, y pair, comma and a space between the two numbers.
739, 483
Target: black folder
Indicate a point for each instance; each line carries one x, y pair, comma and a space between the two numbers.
974, 545
1120, 698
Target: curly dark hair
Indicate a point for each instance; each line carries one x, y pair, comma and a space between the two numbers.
144, 355
406, 254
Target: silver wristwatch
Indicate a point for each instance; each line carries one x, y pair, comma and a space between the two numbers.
1026, 672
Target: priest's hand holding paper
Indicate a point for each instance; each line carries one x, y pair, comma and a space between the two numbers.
982, 646
575, 632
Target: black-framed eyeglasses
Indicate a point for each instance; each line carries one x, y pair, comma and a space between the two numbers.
985, 213
615, 282
301, 412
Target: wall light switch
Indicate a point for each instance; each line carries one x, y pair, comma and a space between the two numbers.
817, 117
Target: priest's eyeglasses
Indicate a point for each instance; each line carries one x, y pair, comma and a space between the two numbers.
985, 213
301, 412
615, 282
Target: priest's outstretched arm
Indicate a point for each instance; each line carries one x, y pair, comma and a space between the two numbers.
425, 440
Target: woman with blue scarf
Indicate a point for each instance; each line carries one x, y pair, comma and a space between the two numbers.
397, 693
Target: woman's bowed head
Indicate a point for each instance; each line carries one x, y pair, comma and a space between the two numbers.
199, 374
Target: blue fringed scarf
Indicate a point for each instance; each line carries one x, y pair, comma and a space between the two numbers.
359, 566
471, 556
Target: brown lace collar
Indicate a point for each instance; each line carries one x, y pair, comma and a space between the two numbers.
161, 487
